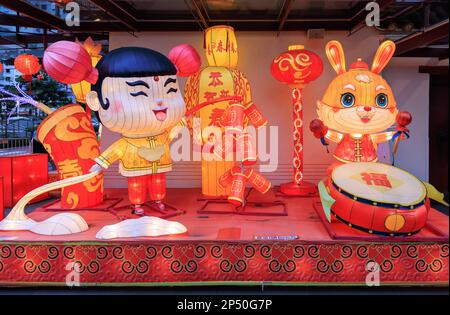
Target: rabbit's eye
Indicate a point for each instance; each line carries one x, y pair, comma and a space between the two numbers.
347, 99
381, 100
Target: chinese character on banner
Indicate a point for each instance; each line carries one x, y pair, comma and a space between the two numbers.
376, 179
233, 49
236, 186
216, 114
224, 93
220, 47
69, 168
215, 79
211, 48
209, 96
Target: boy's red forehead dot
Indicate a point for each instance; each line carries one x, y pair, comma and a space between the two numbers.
156, 78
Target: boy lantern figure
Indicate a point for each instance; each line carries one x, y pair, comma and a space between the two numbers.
137, 95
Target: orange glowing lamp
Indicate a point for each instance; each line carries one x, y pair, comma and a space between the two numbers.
27, 64
297, 67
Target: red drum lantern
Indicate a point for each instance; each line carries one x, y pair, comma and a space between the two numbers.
378, 198
27, 64
69, 63
297, 67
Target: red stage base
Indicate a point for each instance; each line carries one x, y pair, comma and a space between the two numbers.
298, 249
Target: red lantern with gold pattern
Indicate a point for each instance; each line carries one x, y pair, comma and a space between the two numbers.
27, 64
297, 67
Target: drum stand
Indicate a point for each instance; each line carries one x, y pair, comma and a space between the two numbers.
243, 209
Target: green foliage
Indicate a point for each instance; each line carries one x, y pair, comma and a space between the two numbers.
46, 90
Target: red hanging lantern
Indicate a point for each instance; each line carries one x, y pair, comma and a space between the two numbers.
69, 63
1, 67
186, 60
28, 65
297, 67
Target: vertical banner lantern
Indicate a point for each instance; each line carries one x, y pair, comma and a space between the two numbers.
68, 136
297, 67
80, 89
220, 79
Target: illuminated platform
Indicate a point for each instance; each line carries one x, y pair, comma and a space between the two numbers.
297, 249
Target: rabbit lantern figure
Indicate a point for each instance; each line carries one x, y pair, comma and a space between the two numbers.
358, 106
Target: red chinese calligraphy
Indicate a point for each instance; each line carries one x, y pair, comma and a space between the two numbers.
215, 79
209, 96
376, 179
237, 186
232, 48
224, 93
220, 47
216, 115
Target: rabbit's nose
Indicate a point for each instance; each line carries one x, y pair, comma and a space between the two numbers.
367, 108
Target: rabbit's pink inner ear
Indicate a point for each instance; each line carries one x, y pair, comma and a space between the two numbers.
335, 54
383, 55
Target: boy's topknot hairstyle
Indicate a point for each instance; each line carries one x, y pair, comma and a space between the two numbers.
127, 62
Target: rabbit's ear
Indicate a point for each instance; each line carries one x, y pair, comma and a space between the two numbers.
335, 54
383, 55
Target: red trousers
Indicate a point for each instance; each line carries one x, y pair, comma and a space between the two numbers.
138, 186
